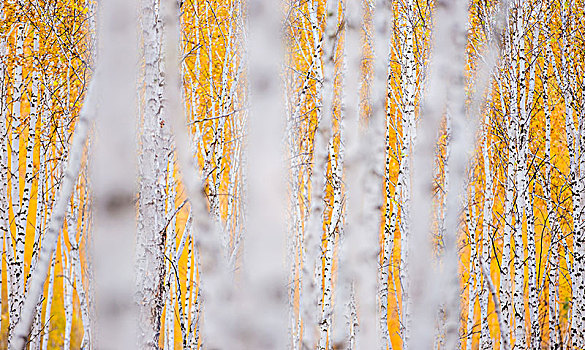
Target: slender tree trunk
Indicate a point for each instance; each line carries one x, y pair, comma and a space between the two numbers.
474, 274
67, 275
485, 341
49, 303
152, 166
506, 284
408, 81
324, 61
16, 262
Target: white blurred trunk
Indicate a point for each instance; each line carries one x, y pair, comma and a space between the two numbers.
446, 79
263, 299
114, 177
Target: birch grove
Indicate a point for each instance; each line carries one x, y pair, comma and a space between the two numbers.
300, 174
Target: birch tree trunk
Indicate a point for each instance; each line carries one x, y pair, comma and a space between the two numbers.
264, 280
485, 341
573, 144
518, 93
47, 320
505, 278
152, 168
67, 276
551, 221
314, 232
408, 82
474, 275
449, 41
16, 248
4, 170
114, 176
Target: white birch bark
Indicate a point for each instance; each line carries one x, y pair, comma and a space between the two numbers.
354, 166
30, 145
474, 275
485, 341
505, 278
577, 337
390, 219
551, 219
225, 104
191, 288
67, 275
169, 293
311, 293
364, 171
518, 94
4, 204
324, 61
16, 262
503, 326
331, 232
383, 15
76, 277
186, 316
152, 167
408, 82
263, 294
449, 43
114, 177
48, 304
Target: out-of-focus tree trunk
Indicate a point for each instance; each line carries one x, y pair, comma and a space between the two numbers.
114, 177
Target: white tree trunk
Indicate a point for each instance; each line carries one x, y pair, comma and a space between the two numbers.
485, 341
114, 177
263, 295
450, 24
48, 304
16, 262
67, 275
474, 273
152, 166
